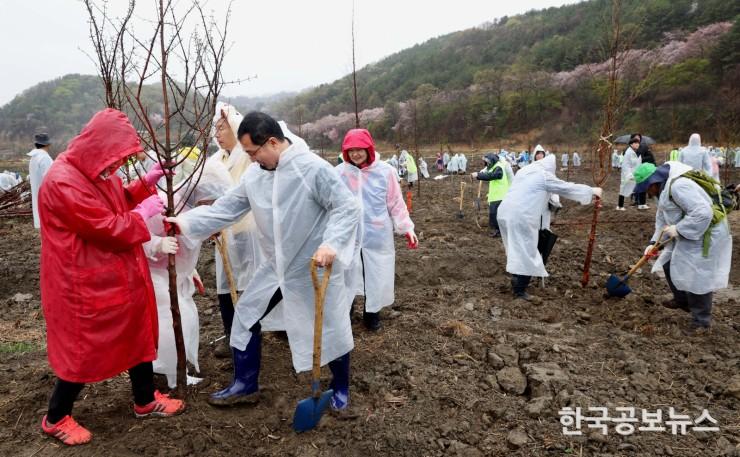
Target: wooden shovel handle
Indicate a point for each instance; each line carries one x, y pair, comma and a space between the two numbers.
480, 186
462, 194
221, 246
656, 247
319, 291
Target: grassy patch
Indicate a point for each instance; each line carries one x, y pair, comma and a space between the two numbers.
18, 347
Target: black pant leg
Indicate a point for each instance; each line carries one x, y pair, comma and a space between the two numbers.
62, 400
227, 311
621, 201
493, 215
519, 283
701, 309
276, 298
142, 383
678, 295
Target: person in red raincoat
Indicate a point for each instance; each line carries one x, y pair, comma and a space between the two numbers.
96, 290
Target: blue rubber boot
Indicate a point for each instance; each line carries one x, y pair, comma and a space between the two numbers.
245, 386
340, 383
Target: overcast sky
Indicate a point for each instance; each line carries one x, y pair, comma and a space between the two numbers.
288, 45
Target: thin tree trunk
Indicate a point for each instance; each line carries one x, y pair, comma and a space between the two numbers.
354, 71
171, 266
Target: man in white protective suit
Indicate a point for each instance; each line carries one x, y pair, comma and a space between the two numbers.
520, 218
302, 211
38, 166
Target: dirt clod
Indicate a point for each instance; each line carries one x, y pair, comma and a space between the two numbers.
517, 437
512, 380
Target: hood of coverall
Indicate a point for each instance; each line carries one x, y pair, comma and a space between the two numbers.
234, 118
359, 138
490, 158
106, 139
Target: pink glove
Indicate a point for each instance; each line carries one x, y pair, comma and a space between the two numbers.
413, 240
155, 174
150, 207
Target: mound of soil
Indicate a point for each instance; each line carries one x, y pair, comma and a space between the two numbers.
458, 369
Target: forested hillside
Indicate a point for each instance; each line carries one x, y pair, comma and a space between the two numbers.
527, 72
538, 74
60, 107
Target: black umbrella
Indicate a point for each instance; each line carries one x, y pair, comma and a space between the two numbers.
625, 139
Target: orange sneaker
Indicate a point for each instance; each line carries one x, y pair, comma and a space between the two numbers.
67, 430
162, 406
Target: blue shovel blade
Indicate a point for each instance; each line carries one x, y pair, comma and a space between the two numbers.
617, 287
308, 412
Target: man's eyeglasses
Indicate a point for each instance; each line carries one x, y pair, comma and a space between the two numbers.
253, 153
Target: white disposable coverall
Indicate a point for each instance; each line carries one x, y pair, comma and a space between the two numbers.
37, 168
404, 160
241, 244
454, 164
383, 210
690, 210
615, 159
462, 163
696, 156
423, 169
297, 207
7, 181
630, 162
520, 213
212, 184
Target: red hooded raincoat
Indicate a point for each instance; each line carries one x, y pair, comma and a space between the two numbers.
96, 290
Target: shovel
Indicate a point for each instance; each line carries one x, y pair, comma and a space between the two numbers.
476, 203
460, 214
221, 246
616, 287
308, 412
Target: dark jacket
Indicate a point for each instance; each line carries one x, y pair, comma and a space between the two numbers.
491, 173
645, 154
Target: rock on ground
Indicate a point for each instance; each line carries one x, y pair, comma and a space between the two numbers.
512, 380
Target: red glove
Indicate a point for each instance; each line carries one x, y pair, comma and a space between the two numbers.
198, 283
413, 240
176, 223
169, 226
651, 252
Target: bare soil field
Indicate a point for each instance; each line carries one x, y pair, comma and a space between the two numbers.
459, 368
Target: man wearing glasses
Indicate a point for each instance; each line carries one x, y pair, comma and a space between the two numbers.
303, 211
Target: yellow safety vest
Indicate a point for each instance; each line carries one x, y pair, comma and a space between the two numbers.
410, 164
497, 188
674, 155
